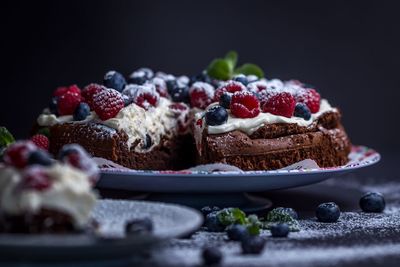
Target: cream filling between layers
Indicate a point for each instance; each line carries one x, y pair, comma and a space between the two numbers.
249, 126
70, 192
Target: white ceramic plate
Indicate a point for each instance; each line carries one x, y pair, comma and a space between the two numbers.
169, 221
232, 181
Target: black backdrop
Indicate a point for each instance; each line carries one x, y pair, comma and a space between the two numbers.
349, 51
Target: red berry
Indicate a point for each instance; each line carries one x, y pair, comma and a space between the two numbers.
107, 103
68, 102
41, 141
89, 91
161, 86
257, 87
17, 154
62, 90
245, 105
230, 87
177, 108
281, 104
310, 97
35, 178
199, 123
144, 96
201, 95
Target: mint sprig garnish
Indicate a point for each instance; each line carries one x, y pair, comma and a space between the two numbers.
229, 216
6, 138
225, 68
281, 216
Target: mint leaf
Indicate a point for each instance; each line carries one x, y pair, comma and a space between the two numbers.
250, 69
6, 137
279, 215
232, 58
45, 131
220, 69
230, 216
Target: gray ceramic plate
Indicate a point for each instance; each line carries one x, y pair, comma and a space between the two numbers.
229, 182
169, 221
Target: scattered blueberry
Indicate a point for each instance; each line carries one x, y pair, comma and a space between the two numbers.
301, 110
242, 79
53, 105
292, 213
225, 100
372, 202
179, 93
81, 111
237, 232
212, 223
139, 226
207, 210
279, 230
114, 80
328, 212
216, 115
201, 77
40, 157
147, 142
253, 245
211, 256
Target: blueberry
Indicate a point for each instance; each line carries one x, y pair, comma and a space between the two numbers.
171, 84
207, 210
252, 245
201, 77
147, 142
114, 80
328, 212
242, 79
127, 100
372, 202
279, 230
140, 80
179, 93
81, 111
211, 256
141, 76
139, 226
53, 105
212, 223
237, 232
40, 157
301, 110
251, 78
216, 115
225, 100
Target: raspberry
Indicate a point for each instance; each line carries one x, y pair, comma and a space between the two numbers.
257, 87
178, 107
68, 102
310, 97
143, 95
62, 90
281, 104
201, 95
41, 141
77, 157
230, 87
245, 105
107, 103
17, 154
161, 86
35, 178
89, 91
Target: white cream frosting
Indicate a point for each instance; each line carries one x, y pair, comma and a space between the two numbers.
70, 192
251, 125
47, 120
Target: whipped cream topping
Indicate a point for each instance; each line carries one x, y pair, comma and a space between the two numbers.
47, 120
249, 126
70, 192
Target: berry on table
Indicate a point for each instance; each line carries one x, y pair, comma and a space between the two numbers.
67, 103
225, 100
372, 202
237, 232
139, 226
310, 97
328, 212
212, 222
107, 103
302, 111
89, 91
35, 178
81, 112
279, 230
253, 245
41, 141
39, 157
230, 87
245, 105
201, 95
281, 104
62, 90
17, 154
216, 115
114, 80
211, 256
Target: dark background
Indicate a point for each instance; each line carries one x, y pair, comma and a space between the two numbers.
349, 51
